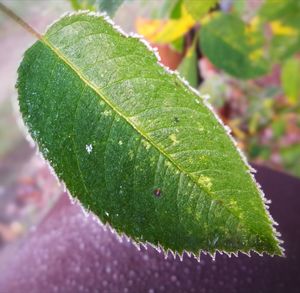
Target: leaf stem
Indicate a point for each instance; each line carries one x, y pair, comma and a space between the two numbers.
20, 21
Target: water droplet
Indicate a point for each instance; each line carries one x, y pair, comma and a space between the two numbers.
186, 271
108, 270
145, 257
104, 283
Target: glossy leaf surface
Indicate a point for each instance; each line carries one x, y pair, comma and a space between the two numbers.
137, 146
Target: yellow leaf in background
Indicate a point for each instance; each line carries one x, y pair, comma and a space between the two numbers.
252, 30
235, 124
254, 123
279, 29
165, 31
253, 25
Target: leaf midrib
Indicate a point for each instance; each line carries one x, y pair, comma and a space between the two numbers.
46, 42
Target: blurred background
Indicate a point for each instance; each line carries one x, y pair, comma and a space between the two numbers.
244, 53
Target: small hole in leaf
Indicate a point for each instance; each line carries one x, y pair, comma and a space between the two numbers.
157, 192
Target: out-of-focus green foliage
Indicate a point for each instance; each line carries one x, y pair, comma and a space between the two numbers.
110, 6
290, 79
284, 46
283, 17
291, 158
239, 6
188, 67
199, 8
228, 44
285, 11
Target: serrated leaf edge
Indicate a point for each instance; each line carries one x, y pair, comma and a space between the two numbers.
204, 98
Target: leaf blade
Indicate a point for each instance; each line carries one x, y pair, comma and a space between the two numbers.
225, 40
127, 131
199, 8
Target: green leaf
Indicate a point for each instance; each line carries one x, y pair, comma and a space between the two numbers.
137, 146
199, 8
240, 7
283, 47
188, 67
164, 10
176, 11
228, 44
290, 79
110, 7
83, 4
290, 156
285, 11
178, 44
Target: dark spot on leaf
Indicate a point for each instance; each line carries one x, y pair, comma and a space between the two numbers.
157, 192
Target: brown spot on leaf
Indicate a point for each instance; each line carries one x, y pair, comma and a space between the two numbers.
157, 192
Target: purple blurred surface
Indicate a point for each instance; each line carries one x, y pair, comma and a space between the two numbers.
69, 252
